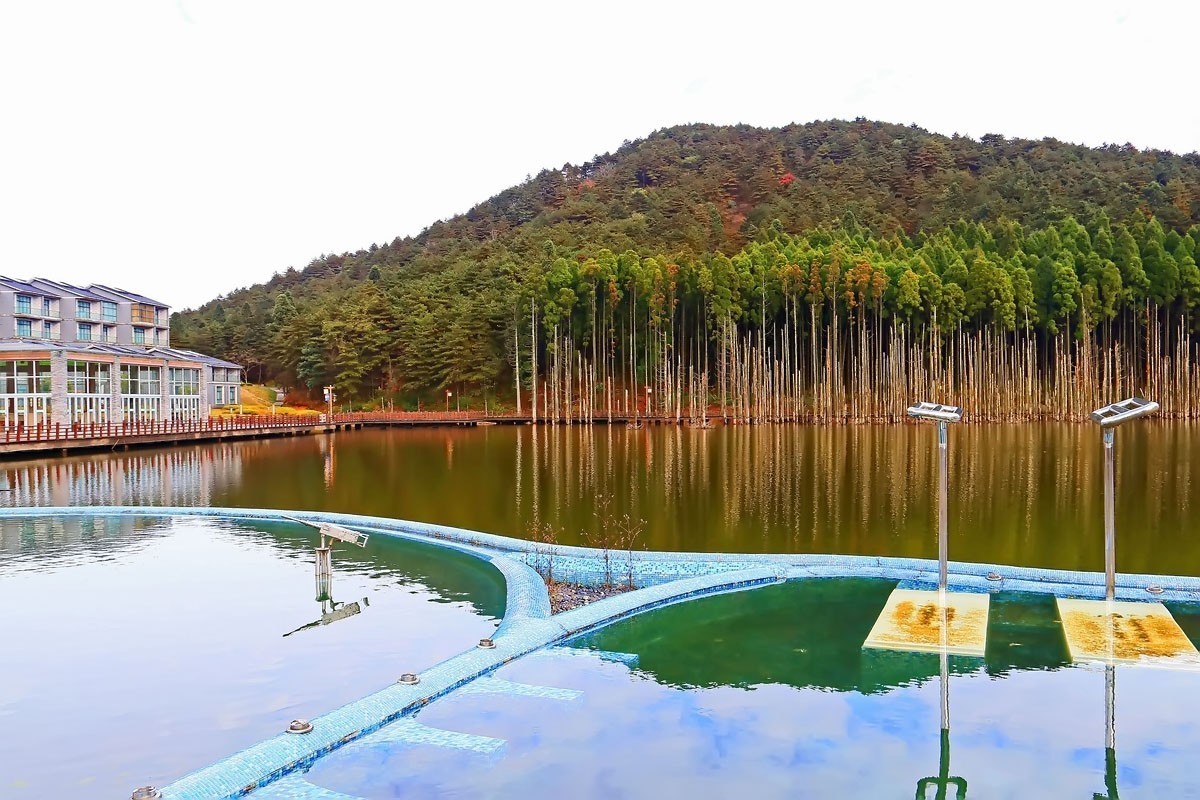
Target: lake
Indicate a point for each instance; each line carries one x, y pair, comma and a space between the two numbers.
1019, 494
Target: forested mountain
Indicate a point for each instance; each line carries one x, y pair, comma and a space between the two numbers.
818, 270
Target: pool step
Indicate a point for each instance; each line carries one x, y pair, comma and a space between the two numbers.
628, 659
912, 619
295, 787
409, 731
1122, 632
501, 686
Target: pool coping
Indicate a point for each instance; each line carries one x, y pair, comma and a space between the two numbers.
660, 578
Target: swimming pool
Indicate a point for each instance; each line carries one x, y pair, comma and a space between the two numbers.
770, 693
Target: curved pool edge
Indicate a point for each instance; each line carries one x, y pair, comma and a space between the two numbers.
585, 565
270, 760
664, 578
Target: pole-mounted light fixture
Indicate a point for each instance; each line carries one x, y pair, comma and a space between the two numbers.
1109, 418
943, 415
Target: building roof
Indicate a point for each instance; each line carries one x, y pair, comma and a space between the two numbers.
95, 291
67, 288
192, 355
124, 295
26, 345
21, 286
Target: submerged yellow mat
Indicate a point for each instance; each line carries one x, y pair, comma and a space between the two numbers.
912, 620
1124, 632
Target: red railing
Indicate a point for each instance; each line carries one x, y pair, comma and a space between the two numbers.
55, 432
430, 416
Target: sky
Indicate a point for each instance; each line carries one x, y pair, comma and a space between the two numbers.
183, 149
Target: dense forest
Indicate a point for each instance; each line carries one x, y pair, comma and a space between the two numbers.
833, 270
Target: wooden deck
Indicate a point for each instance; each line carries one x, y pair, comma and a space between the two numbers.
56, 440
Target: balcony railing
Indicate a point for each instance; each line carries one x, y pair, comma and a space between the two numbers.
36, 312
52, 337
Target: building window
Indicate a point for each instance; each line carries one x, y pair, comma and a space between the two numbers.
47, 307
156, 339
83, 309
47, 330
160, 316
220, 395
24, 377
108, 311
137, 379
85, 331
233, 393
185, 392
24, 328
185, 381
139, 335
141, 393
24, 304
89, 391
141, 313
88, 377
24, 393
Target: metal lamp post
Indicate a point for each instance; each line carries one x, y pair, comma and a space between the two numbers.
329, 399
1109, 418
943, 415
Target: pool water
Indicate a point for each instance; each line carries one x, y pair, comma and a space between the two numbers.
768, 693
136, 650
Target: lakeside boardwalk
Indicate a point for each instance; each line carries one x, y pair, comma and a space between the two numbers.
53, 440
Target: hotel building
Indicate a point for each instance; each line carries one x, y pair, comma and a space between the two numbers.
70, 354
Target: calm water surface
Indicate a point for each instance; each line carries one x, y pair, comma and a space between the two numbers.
137, 650
769, 694
1020, 494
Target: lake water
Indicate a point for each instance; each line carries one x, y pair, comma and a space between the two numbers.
1019, 494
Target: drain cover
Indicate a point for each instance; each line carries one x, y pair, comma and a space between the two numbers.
487, 644
299, 726
409, 679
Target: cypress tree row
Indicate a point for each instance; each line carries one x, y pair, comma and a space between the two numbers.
831, 325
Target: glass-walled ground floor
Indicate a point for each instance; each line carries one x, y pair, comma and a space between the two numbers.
97, 393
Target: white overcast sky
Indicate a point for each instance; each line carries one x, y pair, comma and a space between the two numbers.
183, 148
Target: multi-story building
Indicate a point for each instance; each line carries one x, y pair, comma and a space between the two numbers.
71, 354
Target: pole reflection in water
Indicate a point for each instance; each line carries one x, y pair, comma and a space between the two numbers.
328, 444
1110, 735
330, 611
943, 780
